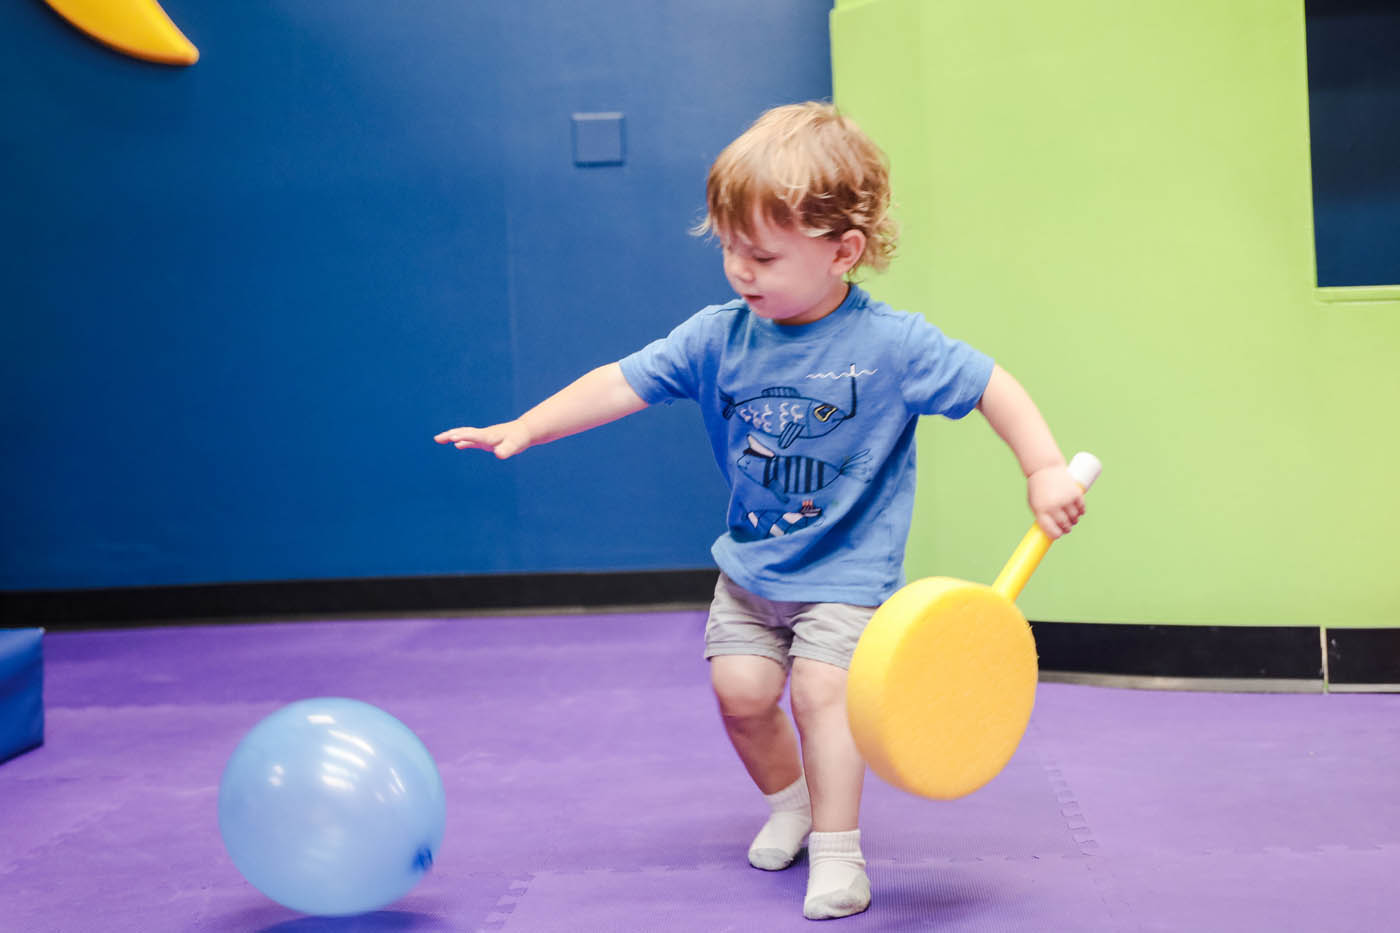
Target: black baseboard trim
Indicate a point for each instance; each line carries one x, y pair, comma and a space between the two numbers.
1265, 653
1217, 652
1363, 655
126, 607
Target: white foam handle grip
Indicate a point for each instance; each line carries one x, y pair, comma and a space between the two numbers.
1085, 468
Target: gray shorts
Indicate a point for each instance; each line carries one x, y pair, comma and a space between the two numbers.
745, 623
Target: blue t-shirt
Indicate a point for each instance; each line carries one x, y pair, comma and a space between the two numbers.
812, 426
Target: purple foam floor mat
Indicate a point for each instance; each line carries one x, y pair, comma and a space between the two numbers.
590, 788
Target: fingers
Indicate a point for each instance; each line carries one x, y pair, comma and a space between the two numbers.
1056, 500
1060, 521
1049, 525
463, 438
504, 440
1074, 511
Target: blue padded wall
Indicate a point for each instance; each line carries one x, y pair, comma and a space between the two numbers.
241, 297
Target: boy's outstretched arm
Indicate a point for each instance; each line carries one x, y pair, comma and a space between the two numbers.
1055, 498
595, 398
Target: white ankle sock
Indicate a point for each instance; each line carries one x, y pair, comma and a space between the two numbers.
837, 885
781, 838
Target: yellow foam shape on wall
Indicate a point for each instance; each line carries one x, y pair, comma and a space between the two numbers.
138, 28
942, 682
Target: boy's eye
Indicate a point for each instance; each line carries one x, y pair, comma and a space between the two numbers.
764, 260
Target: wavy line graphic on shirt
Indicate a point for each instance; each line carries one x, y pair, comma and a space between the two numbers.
787, 475
851, 373
785, 413
775, 523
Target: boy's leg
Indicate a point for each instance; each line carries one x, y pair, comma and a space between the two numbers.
835, 770
837, 885
747, 643
748, 688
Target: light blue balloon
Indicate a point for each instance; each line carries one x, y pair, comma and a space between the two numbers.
332, 807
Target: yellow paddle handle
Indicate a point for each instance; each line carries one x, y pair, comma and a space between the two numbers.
1085, 468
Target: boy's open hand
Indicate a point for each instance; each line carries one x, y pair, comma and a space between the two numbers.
504, 440
1056, 500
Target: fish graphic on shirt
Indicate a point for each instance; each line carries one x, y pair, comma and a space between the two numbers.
785, 413
774, 523
790, 475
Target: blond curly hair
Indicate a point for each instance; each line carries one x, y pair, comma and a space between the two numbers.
805, 167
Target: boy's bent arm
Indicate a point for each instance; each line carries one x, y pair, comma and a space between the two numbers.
595, 398
1055, 498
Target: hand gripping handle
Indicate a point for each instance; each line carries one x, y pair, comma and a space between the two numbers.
1085, 468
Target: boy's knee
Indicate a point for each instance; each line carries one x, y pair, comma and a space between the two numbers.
746, 690
817, 687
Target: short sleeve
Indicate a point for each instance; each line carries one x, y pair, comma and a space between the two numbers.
668, 368
944, 376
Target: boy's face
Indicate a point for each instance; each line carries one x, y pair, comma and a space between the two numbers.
785, 276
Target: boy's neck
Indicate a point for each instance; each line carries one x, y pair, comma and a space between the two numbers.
835, 299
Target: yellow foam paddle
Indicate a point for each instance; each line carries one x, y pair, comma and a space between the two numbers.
943, 680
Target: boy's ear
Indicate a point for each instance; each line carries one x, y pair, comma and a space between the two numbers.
849, 249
